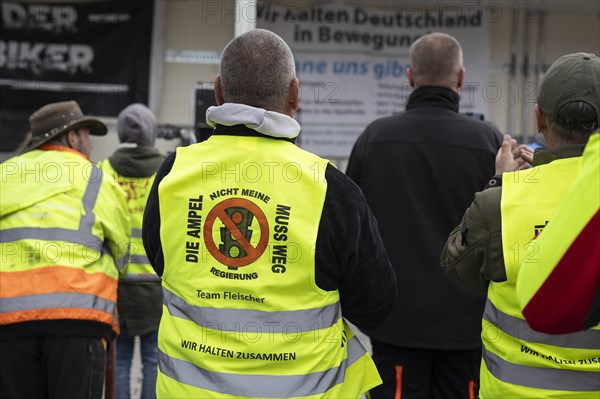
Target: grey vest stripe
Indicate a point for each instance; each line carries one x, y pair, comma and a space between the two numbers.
122, 261
141, 278
139, 259
56, 300
240, 319
89, 199
538, 377
85, 239
518, 328
136, 233
260, 386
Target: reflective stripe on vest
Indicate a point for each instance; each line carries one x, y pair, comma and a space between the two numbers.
519, 362
235, 319
263, 386
543, 378
138, 259
136, 233
238, 235
138, 268
140, 278
57, 300
588, 339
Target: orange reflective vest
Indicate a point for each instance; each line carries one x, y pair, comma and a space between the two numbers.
63, 237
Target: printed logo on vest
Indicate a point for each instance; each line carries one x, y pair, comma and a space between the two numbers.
537, 229
233, 245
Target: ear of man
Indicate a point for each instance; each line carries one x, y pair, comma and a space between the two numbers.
540, 118
461, 78
411, 77
72, 139
293, 97
542, 126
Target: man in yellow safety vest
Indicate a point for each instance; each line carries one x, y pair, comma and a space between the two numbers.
495, 238
64, 235
263, 249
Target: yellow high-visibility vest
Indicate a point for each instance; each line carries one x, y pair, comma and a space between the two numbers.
577, 211
64, 228
243, 316
138, 269
519, 362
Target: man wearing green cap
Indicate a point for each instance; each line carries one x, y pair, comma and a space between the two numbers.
498, 234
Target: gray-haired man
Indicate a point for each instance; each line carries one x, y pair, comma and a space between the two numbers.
263, 249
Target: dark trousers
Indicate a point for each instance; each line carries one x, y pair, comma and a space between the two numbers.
416, 373
52, 368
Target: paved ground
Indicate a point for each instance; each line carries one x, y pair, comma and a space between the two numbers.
136, 373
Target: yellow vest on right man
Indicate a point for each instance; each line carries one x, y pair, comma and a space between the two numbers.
243, 316
557, 246
519, 362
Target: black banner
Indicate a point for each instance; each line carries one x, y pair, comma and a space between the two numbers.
97, 54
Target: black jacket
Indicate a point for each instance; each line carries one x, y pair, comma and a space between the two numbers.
419, 171
349, 254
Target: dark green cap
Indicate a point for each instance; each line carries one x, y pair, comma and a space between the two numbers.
573, 77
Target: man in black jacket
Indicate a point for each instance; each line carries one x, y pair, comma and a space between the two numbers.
418, 171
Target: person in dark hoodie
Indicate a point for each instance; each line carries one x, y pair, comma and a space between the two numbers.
133, 165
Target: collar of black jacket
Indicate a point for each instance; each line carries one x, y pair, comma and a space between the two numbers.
243, 130
545, 156
433, 96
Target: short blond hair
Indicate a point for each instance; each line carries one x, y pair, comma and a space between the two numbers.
435, 58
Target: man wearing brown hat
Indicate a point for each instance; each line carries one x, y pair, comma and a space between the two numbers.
64, 236
498, 234
134, 165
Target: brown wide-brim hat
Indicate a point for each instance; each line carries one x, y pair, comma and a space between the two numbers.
54, 119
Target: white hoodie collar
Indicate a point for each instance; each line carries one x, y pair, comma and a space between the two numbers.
270, 123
